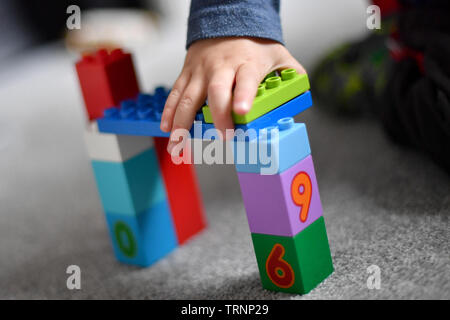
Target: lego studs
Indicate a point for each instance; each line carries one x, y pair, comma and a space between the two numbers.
273, 81
261, 89
282, 124
288, 74
116, 54
103, 57
276, 90
273, 132
285, 123
145, 107
111, 113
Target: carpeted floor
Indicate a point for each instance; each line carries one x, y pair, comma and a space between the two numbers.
383, 206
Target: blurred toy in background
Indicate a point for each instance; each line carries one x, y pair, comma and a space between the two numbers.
399, 74
105, 24
112, 28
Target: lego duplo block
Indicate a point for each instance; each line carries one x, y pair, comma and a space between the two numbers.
106, 79
294, 264
134, 121
141, 116
282, 204
144, 238
111, 147
183, 193
132, 186
289, 109
284, 145
272, 93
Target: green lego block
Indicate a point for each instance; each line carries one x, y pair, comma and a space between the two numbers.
272, 93
294, 264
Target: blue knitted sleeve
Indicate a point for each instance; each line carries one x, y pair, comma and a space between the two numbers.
234, 18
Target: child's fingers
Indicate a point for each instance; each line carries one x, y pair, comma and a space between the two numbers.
219, 99
192, 99
248, 79
172, 101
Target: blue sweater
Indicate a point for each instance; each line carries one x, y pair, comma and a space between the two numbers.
234, 18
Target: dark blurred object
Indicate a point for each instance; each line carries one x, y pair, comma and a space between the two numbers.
14, 36
416, 106
388, 7
350, 79
33, 22
401, 75
47, 22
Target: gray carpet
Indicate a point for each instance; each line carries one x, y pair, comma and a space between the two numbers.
383, 205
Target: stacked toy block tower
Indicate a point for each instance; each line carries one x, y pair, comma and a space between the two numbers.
281, 197
285, 214
151, 205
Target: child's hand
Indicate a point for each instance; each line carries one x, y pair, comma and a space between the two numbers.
211, 69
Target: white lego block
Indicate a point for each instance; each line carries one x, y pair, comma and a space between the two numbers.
112, 147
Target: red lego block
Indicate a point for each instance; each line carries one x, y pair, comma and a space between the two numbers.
106, 79
183, 193
387, 7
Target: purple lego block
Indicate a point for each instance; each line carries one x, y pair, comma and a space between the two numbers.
269, 203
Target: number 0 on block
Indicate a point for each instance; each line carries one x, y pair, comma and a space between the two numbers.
125, 239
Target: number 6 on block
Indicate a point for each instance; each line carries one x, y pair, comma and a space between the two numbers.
301, 192
279, 271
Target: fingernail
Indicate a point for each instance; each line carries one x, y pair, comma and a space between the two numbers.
164, 126
242, 107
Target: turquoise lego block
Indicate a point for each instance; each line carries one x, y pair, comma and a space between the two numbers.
132, 186
144, 238
291, 147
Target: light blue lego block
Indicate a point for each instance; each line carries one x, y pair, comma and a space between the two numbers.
145, 238
132, 186
293, 146
289, 109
